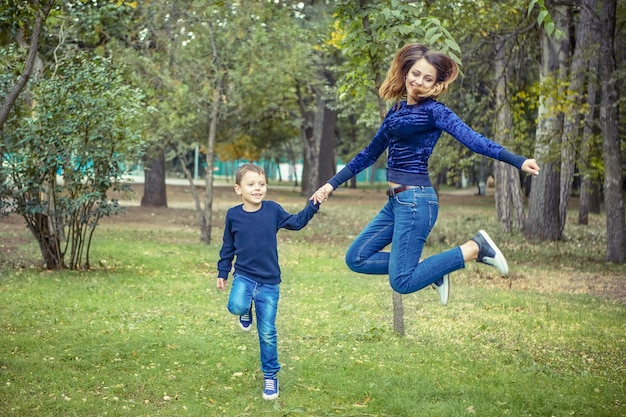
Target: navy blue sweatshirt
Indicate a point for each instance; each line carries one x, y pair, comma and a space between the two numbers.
250, 237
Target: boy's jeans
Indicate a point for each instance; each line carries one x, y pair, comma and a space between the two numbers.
265, 297
405, 222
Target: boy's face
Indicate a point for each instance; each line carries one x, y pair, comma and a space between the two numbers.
252, 190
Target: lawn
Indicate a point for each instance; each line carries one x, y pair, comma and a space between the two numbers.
146, 332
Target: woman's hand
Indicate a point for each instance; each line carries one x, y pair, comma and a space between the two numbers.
530, 166
322, 194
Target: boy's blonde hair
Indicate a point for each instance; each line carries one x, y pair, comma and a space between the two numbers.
245, 168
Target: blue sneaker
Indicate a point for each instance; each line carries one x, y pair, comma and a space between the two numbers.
443, 288
245, 320
488, 253
270, 392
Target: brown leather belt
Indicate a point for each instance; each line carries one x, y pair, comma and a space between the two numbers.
391, 192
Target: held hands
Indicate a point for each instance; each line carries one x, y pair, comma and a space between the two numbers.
530, 166
322, 194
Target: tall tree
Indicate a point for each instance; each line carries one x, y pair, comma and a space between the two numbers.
506, 38
544, 221
240, 100
509, 202
153, 49
576, 102
318, 117
164, 23
609, 111
578, 128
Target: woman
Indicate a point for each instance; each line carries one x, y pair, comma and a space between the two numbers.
408, 133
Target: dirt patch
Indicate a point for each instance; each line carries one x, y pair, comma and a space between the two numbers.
612, 287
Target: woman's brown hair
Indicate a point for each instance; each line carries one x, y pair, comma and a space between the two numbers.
393, 88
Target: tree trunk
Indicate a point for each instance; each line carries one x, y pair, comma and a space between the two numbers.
398, 313
307, 130
207, 226
575, 115
609, 119
312, 144
544, 220
154, 189
508, 198
41, 227
588, 190
327, 164
194, 193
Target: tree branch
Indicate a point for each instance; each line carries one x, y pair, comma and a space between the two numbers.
10, 99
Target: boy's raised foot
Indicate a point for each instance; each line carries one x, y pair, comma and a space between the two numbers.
245, 321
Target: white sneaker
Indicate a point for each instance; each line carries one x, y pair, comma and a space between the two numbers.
488, 253
443, 288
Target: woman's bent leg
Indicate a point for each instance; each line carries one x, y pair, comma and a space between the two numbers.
365, 255
416, 212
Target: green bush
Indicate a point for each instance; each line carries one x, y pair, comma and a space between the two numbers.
63, 149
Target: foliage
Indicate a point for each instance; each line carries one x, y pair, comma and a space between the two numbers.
261, 91
62, 156
181, 54
239, 148
94, 23
544, 19
11, 59
118, 3
368, 36
15, 15
524, 107
478, 27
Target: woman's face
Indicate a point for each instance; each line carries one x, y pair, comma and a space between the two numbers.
421, 77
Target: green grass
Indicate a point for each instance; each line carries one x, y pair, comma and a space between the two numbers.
146, 333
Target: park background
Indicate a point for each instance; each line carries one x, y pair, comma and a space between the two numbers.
122, 122
94, 88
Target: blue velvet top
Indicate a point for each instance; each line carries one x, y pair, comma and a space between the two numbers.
410, 132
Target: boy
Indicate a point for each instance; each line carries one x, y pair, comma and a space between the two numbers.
250, 237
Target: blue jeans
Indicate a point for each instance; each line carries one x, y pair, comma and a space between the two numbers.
404, 222
245, 290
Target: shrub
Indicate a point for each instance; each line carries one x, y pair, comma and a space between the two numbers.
64, 148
